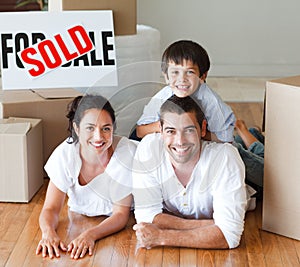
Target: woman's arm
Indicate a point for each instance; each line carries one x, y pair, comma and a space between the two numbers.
86, 241
50, 242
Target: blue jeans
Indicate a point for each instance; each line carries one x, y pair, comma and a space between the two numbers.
253, 158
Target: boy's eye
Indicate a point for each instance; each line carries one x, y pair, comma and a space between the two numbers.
106, 129
190, 72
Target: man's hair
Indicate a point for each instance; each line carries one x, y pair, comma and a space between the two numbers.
180, 105
186, 50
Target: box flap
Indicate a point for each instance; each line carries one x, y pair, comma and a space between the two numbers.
15, 128
33, 122
57, 93
293, 81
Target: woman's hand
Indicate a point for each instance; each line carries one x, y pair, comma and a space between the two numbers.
81, 245
50, 245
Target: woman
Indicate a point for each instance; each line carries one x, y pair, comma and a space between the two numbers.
92, 167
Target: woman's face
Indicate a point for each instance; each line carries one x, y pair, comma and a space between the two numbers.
95, 131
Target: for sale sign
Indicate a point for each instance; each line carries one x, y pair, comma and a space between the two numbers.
54, 50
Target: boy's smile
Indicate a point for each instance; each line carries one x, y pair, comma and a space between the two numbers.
183, 78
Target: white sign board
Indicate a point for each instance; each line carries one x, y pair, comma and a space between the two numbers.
57, 49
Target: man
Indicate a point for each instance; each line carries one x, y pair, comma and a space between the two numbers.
187, 192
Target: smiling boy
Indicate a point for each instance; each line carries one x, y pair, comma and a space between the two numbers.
185, 66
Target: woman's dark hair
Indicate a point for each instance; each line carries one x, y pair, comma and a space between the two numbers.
79, 105
185, 50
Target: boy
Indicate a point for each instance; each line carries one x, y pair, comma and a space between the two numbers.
185, 65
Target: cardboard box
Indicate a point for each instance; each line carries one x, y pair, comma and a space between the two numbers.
124, 12
50, 105
21, 161
281, 203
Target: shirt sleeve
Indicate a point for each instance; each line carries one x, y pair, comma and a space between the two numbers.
229, 194
57, 167
220, 117
148, 199
151, 110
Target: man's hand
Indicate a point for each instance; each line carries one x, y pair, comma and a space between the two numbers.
148, 235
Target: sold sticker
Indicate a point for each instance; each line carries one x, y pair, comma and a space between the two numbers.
52, 53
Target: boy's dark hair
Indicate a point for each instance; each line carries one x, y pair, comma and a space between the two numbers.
186, 50
180, 105
79, 105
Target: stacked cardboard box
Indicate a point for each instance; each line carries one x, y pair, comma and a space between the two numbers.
50, 105
21, 161
124, 12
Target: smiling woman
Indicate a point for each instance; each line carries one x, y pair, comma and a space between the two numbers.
93, 168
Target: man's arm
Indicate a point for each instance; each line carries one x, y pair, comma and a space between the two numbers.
169, 230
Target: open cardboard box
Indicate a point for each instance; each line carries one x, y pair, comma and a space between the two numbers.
124, 12
50, 105
281, 203
21, 161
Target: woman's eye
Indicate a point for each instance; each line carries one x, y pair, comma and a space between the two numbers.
90, 128
190, 130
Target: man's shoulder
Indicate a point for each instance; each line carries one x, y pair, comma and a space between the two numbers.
152, 139
217, 148
150, 145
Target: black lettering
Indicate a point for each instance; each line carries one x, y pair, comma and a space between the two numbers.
94, 60
83, 58
20, 37
5, 48
106, 48
37, 36
67, 64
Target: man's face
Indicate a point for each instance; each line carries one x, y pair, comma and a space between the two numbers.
184, 78
181, 136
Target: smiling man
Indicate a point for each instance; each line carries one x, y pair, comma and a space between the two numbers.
188, 192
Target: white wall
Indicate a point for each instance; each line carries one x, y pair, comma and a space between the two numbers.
242, 37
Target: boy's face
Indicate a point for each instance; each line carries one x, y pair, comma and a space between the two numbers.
184, 78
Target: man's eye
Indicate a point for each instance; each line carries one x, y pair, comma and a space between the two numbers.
170, 131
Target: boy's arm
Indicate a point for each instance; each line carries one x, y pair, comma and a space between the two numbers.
211, 137
142, 130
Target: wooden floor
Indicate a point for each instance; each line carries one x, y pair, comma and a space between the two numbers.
20, 234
